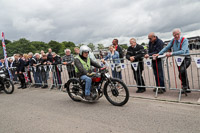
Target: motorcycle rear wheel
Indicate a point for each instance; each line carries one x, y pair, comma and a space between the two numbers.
73, 88
116, 92
8, 87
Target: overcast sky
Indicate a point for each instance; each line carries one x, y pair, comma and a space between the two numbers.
97, 21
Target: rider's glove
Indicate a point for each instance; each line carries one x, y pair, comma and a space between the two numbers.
91, 74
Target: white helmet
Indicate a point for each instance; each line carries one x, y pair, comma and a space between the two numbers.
84, 48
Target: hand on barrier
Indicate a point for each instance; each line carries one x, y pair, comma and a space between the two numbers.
132, 58
155, 56
168, 54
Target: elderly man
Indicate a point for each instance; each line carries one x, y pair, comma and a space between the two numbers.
135, 53
68, 60
155, 46
179, 46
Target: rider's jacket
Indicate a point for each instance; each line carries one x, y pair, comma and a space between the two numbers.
83, 65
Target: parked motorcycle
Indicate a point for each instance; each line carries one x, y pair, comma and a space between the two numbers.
5, 83
115, 91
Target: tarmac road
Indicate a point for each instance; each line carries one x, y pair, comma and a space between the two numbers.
43, 111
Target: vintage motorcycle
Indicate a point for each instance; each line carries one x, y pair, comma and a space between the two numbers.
5, 83
115, 90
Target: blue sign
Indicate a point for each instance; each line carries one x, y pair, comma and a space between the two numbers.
179, 60
198, 61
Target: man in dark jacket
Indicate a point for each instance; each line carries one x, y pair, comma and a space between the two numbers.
19, 64
44, 70
37, 71
31, 62
135, 53
49, 55
83, 69
57, 68
118, 49
68, 60
155, 46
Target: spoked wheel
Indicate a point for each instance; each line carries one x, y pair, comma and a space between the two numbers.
73, 89
8, 87
116, 92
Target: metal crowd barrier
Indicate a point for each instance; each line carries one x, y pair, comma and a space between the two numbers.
57, 75
170, 74
193, 74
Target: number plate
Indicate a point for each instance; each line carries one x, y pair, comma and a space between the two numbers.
107, 75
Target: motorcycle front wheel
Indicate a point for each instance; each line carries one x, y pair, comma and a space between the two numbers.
116, 92
8, 87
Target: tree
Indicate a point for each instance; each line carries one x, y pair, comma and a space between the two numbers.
100, 46
91, 46
68, 44
21, 46
79, 45
39, 46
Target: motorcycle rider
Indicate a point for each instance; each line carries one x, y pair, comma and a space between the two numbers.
83, 68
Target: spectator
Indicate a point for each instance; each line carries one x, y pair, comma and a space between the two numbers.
179, 46
135, 54
11, 65
30, 66
37, 71
155, 46
42, 53
2, 63
49, 55
19, 64
26, 65
57, 73
68, 60
113, 55
77, 51
44, 69
118, 49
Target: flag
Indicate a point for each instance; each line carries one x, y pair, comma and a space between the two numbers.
5, 54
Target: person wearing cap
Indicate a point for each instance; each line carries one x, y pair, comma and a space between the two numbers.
83, 68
